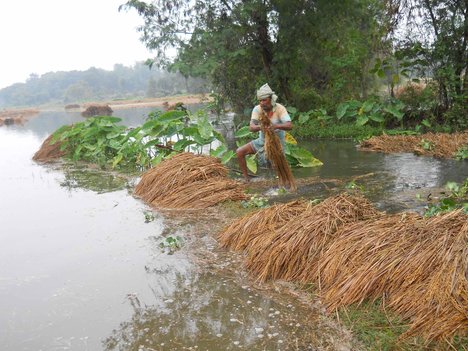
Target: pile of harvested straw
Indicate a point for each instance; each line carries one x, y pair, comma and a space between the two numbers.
259, 224
188, 181
274, 153
49, 152
293, 250
419, 265
97, 110
437, 144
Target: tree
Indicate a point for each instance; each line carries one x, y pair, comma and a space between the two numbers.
307, 50
436, 39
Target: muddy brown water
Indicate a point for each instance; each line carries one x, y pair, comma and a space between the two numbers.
81, 269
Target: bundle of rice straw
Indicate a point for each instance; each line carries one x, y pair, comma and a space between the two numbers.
261, 223
188, 181
293, 251
49, 152
274, 153
441, 144
419, 265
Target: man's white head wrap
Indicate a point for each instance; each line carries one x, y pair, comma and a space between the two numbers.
265, 92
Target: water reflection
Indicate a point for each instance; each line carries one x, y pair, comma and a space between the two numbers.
209, 312
94, 180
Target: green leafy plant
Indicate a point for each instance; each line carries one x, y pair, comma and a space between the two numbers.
255, 202
457, 198
462, 154
149, 216
103, 141
426, 144
171, 244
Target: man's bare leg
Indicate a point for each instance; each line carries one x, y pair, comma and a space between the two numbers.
241, 152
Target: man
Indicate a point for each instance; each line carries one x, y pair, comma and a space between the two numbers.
280, 122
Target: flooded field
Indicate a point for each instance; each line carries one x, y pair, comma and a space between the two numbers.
82, 268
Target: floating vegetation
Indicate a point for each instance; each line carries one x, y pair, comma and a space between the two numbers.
432, 144
188, 181
171, 244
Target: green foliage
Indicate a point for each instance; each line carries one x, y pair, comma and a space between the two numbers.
456, 198
149, 216
462, 154
171, 244
101, 140
255, 202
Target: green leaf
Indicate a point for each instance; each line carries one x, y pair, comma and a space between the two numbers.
227, 157
341, 110
243, 132
219, 136
182, 144
219, 151
394, 112
171, 116
426, 123
367, 106
291, 109
303, 118
204, 126
117, 160
376, 117
251, 163
362, 120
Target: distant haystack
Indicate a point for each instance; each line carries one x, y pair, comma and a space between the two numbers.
431, 144
72, 106
97, 110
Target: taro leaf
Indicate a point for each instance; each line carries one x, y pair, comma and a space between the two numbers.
426, 123
251, 163
290, 139
219, 136
243, 132
117, 160
152, 143
227, 157
291, 109
361, 120
113, 135
132, 133
341, 110
394, 112
303, 117
219, 151
204, 127
156, 160
367, 106
170, 116
304, 157
182, 144
377, 117
115, 144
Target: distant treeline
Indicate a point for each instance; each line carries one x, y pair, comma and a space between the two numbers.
95, 84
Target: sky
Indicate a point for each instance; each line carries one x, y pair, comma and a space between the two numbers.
40, 36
